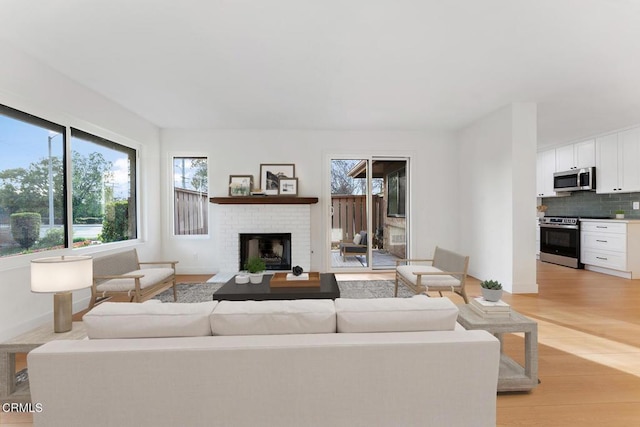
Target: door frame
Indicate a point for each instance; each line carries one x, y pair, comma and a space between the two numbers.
327, 205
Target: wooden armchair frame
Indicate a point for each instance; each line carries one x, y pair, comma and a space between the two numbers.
448, 263
128, 260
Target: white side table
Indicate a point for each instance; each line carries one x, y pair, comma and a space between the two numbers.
512, 376
9, 391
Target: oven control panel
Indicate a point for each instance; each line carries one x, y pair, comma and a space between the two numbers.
559, 220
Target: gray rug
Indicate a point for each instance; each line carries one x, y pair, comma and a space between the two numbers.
199, 292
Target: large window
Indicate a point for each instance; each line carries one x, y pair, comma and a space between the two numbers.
103, 189
32, 191
35, 195
190, 196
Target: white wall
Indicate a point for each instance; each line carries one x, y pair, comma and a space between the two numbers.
497, 197
27, 85
434, 169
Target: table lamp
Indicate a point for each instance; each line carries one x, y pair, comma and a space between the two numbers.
61, 275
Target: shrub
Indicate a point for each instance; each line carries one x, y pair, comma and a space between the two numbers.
25, 228
54, 237
115, 225
87, 220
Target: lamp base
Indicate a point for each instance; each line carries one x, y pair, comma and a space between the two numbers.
62, 312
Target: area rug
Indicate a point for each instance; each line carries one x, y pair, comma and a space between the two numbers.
199, 292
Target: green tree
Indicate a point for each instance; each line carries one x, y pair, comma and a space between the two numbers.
25, 228
115, 226
199, 180
89, 177
28, 189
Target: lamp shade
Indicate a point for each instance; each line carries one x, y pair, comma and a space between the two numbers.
61, 274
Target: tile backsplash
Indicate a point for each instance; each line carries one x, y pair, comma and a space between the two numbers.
588, 203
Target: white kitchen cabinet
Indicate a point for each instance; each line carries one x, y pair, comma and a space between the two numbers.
611, 247
607, 164
629, 160
617, 159
545, 168
576, 156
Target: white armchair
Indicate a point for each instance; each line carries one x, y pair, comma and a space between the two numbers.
447, 272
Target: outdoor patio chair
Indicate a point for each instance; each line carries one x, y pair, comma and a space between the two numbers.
357, 247
447, 272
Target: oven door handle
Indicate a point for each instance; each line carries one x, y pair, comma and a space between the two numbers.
566, 227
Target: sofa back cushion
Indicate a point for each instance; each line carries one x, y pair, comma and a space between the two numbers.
419, 313
132, 320
116, 264
274, 317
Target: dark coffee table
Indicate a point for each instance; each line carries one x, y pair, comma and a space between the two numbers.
230, 291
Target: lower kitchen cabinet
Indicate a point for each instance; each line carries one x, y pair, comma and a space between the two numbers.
611, 247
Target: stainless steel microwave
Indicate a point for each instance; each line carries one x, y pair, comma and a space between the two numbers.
575, 180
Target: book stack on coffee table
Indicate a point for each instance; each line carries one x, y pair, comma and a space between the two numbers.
490, 309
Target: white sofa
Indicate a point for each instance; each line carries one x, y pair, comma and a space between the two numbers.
393, 362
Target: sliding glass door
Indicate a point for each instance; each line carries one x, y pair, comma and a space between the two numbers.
368, 213
349, 209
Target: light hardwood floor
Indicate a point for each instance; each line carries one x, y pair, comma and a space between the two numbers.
589, 351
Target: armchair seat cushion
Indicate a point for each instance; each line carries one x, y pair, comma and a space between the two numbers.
151, 277
407, 272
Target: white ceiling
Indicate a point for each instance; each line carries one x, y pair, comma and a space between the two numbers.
345, 64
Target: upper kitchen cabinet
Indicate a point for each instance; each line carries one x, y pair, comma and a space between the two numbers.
576, 156
545, 167
617, 160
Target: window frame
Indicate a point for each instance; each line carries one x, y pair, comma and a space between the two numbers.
171, 156
33, 120
65, 129
393, 206
134, 186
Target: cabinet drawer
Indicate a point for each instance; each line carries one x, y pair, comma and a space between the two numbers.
604, 227
604, 241
611, 260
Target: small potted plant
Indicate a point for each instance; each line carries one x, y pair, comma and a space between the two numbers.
491, 290
620, 214
255, 266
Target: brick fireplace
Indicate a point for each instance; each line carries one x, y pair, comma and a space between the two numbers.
236, 219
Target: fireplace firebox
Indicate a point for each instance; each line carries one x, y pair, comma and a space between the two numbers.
273, 248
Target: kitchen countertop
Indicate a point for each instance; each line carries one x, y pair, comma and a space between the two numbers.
624, 220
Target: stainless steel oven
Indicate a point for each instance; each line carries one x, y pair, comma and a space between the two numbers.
560, 241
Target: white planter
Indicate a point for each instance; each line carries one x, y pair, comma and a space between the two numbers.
491, 294
242, 279
256, 278
619, 216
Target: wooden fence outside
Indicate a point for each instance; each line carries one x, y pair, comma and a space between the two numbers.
349, 214
190, 212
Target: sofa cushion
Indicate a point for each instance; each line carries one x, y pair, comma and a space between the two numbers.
419, 313
151, 277
274, 317
133, 320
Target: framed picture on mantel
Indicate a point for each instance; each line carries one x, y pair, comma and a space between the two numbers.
288, 186
240, 185
271, 173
